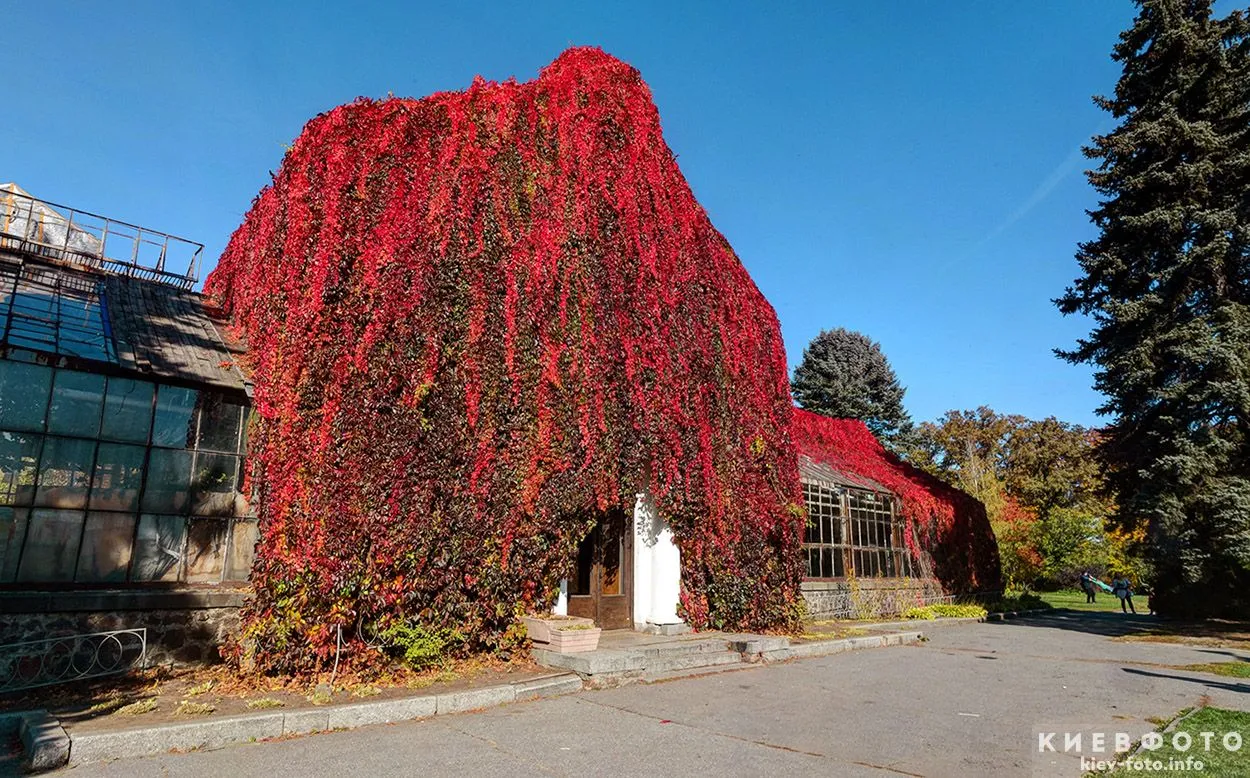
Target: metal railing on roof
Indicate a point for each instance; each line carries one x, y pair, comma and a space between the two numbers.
58, 232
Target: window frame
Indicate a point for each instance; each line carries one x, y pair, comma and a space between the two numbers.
237, 519
870, 542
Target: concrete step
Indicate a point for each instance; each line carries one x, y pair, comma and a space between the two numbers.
666, 664
691, 672
683, 647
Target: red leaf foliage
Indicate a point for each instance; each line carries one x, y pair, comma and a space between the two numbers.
944, 523
476, 321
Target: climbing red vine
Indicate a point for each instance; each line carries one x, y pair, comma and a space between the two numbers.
477, 320
945, 524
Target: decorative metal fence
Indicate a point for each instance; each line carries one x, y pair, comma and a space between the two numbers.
35, 663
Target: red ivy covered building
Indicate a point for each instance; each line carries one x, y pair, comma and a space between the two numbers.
504, 362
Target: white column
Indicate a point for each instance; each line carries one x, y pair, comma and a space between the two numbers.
561, 608
657, 567
665, 577
644, 541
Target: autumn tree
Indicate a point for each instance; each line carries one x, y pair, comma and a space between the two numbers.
1167, 284
1040, 483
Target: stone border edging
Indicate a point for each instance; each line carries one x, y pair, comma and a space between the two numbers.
830, 647
209, 734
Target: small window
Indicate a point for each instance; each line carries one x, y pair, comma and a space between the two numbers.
65, 472
168, 486
127, 410
24, 392
206, 550
219, 423
51, 552
12, 535
174, 425
118, 477
76, 402
160, 545
106, 544
19, 462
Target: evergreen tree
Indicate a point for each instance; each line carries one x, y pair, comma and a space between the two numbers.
1167, 282
845, 375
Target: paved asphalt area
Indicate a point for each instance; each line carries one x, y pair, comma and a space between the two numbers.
969, 702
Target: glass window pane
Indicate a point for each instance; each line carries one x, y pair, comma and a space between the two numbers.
19, 456
174, 424
106, 545
12, 532
23, 395
206, 550
168, 486
215, 486
219, 423
159, 545
76, 402
128, 410
65, 472
51, 545
242, 551
118, 477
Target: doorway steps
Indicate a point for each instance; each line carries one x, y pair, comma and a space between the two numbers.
627, 657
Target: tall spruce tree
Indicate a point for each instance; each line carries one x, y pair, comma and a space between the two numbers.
844, 374
1167, 282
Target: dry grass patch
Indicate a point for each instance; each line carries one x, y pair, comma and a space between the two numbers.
188, 708
135, 708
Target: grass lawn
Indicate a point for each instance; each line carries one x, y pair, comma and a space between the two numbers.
1217, 762
1228, 669
1075, 599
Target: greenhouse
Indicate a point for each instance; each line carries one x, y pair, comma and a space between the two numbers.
122, 416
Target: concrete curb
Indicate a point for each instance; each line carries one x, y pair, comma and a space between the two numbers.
215, 733
1001, 616
830, 647
44, 741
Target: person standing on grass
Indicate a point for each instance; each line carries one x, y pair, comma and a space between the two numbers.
1124, 591
1087, 586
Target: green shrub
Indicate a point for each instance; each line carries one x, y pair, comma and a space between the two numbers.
1024, 601
420, 646
943, 611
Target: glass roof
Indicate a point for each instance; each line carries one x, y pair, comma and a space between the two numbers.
54, 313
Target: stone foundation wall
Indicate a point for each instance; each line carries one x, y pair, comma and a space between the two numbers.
868, 598
183, 627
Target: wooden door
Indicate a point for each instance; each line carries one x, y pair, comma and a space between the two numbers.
602, 584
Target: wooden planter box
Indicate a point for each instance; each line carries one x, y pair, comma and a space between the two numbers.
540, 628
572, 641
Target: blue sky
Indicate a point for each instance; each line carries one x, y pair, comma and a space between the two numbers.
910, 170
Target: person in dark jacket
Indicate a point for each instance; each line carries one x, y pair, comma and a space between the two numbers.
1087, 586
1124, 590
